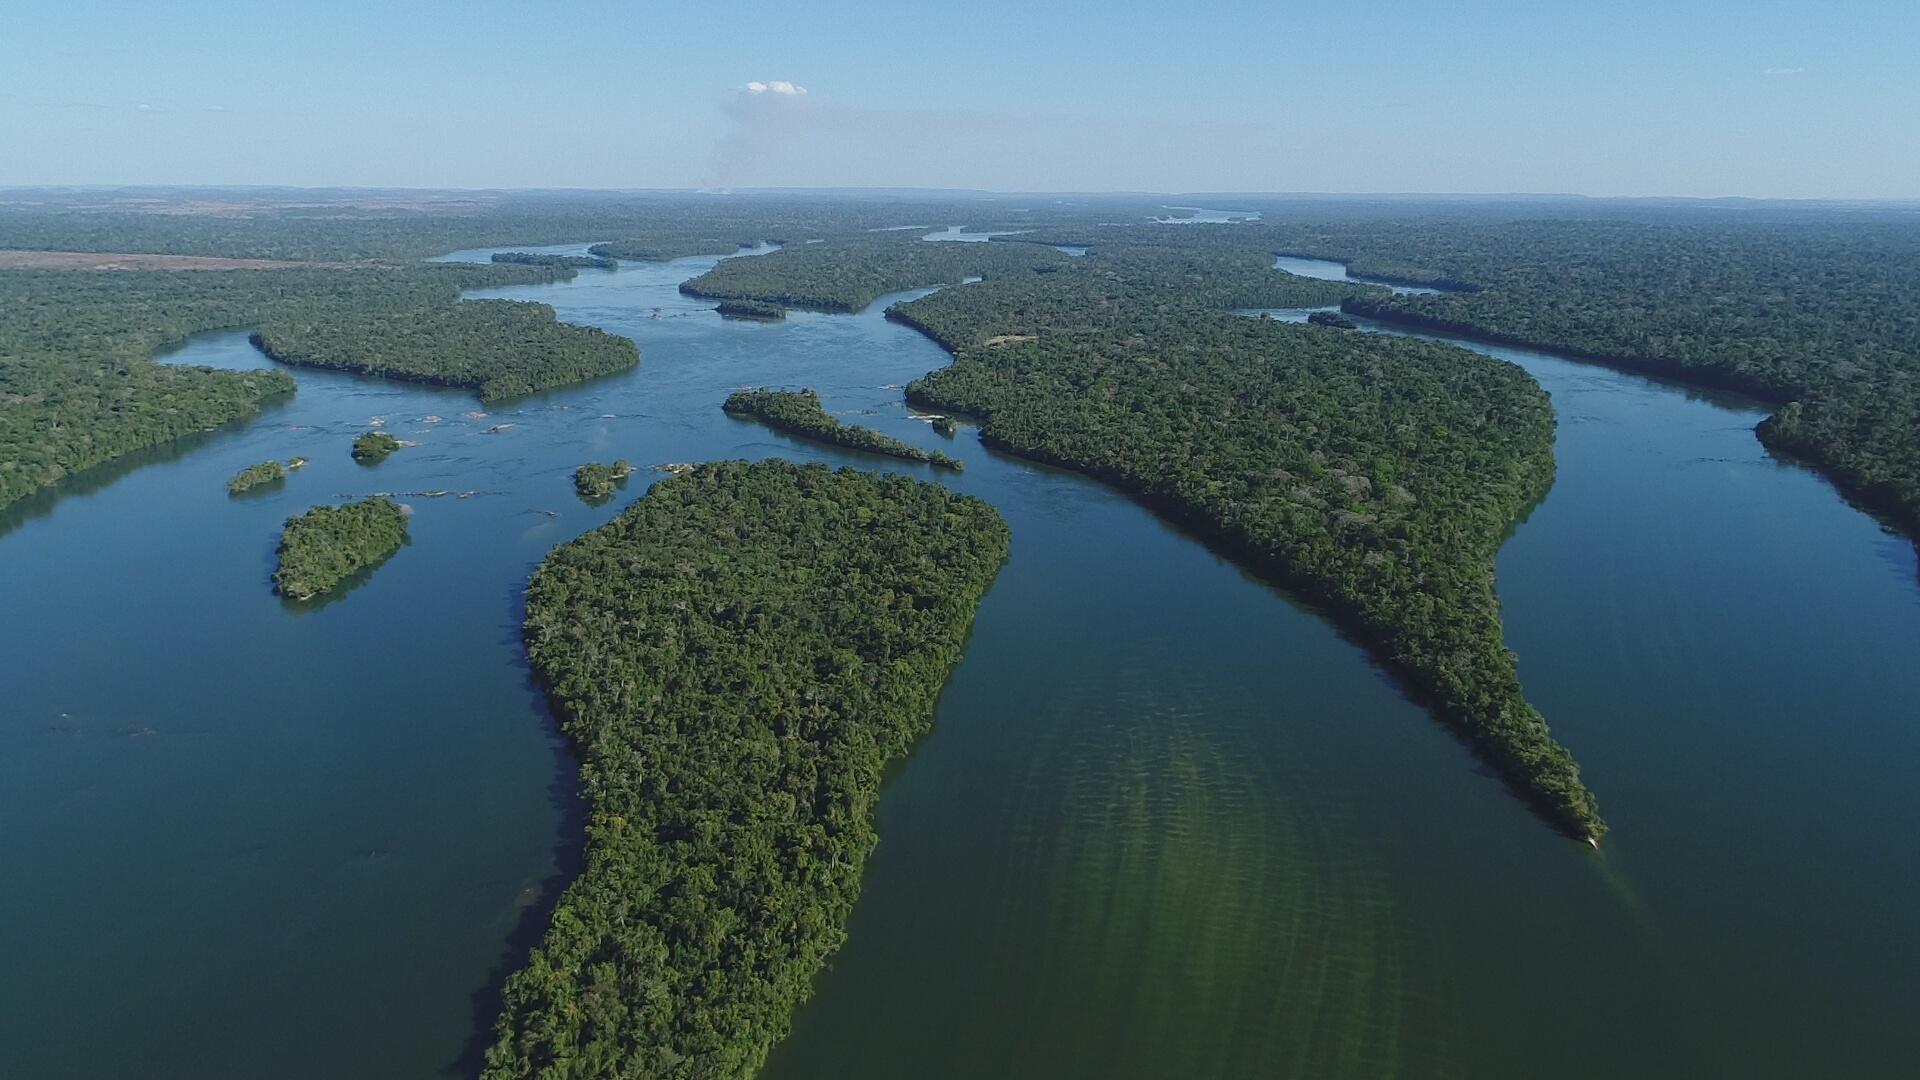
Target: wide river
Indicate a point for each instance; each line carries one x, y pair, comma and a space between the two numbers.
1169, 822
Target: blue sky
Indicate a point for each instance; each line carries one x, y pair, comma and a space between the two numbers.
1793, 99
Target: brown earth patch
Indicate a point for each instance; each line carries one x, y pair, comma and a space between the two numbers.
1011, 339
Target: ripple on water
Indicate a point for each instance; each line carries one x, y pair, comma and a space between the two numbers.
1197, 914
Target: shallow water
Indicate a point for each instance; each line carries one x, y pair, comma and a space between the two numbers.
1168, 823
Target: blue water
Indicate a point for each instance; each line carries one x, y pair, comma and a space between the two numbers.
1168, 823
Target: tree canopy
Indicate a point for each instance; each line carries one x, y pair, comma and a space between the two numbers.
328, 544
736, 658
800, 413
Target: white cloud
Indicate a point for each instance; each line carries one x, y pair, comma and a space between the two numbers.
775, 86
1785, 71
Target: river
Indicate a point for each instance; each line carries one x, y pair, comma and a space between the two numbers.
1168, 822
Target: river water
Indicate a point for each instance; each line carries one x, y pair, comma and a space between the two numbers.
1168, 823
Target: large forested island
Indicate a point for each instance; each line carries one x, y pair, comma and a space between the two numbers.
736, 658
799, 412
500, 348
1377, 477
329, 544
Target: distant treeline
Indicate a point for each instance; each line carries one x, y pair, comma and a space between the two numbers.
1819, 316
800, 413
736, 660
850, 273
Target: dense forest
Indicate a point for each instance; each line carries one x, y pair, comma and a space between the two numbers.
253, 476
1822, 317
596, 482
411, 225
736, 659
328, 544
751, 309
373, 447
658, 248
500, 348
848, 274
1376, 476
800, 413
78, 381
560, 262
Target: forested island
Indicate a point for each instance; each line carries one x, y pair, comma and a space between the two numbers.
800, 413
1375, 476
373, 447
499, 348
326, 545
751, 309
558, 262
736, 659
665, 249
1822, 319
596, 482
79, 385
253, 476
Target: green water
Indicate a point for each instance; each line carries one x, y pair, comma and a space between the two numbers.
1168, 824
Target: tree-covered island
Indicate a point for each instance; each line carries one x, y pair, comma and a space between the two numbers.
596, 482
799, 412
373, 447
253, 476
736, 659
328, 544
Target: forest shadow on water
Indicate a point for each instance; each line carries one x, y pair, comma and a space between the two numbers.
100, 477
570, 808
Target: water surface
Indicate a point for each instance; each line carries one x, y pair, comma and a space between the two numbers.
1168, 823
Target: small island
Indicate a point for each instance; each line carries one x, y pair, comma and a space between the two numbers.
596, 482
557, 262
755, 310
373, 447
1333, 319
800, 413
253, 476
324, 546
944, 426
